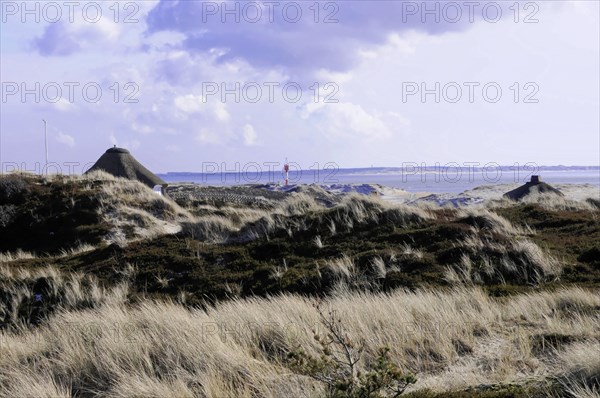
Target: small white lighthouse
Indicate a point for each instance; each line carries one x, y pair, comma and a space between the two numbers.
286, 172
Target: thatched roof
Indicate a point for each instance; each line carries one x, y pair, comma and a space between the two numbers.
120, 163
533, 187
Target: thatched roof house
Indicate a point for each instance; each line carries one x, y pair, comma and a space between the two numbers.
533, 187
120, 163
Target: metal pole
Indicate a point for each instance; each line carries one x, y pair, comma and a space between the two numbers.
46, 141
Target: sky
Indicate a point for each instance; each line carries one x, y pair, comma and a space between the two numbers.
183, 84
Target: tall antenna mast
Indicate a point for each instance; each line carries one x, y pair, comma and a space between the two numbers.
46, 141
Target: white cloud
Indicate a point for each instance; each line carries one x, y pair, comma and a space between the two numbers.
65, 38
164, 40
406, 43
346, 120
560, 54
325, 76
400, 120
206, 136
249, 135
142, 128
190, 103
63, 105
65, 139
220, 111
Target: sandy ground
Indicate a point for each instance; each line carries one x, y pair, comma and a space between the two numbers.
329, 194
479, 194
571, 191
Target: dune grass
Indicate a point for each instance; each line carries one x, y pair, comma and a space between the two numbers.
16, 256
205, 251
549, 202
29, 296
145, 297
451, 340
133, 210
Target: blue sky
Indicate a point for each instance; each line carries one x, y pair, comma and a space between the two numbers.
367, 58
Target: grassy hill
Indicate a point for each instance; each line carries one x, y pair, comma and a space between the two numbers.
100, 249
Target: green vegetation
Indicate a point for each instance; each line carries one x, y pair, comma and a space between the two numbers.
517, 281
295, 246
45, 216
407, 257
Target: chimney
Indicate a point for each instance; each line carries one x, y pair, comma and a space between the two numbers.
535, 179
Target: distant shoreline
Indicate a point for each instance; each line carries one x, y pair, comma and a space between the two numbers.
358, 170
451, 181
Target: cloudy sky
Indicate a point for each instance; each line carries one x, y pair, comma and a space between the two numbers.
356, 83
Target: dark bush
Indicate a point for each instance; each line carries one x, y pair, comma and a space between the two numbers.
7, 215
594, 202
590, 256
12, 189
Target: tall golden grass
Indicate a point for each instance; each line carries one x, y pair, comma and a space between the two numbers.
19, 306
133, 210
496, 251
451, 340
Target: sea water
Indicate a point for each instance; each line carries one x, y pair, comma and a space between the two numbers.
450, 180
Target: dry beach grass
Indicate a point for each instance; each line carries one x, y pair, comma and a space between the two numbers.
451, 340
125, 328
